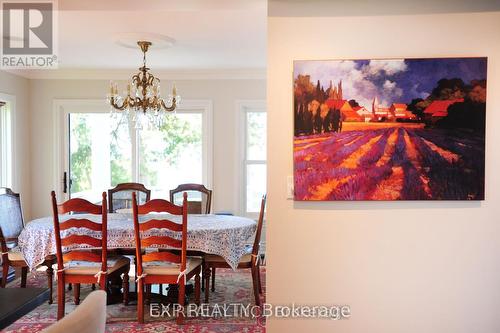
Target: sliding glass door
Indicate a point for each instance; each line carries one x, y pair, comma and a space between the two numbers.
104, 150
100, 154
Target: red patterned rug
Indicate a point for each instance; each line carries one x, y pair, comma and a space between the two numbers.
231, 288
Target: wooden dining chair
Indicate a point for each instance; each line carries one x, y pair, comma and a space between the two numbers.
76, 242
120, 197
11, 225
163, 267
201, 206
250, 260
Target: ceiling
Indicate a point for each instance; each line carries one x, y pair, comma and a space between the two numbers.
327, 8
213, 38
225, 36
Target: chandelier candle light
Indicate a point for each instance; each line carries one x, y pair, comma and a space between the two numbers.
143, 97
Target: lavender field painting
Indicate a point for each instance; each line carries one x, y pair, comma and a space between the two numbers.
393, 129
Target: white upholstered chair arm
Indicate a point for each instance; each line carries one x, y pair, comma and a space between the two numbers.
88, 317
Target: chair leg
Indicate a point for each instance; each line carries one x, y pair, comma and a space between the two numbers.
24, 275
259, 279
5, 273
60, 296
203, 274
182, 296
93, 286
50, 278
125, 288
140, 301
76, 293
255, 285
213, 278
148, 293
103, 284
206, 277
135, 274
197, 289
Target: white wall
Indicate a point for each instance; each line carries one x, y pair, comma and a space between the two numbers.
401, 266
19, 88
223, 93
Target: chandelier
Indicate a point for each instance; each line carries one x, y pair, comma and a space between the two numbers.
143, 98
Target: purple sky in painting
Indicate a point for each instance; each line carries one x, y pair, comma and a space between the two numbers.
392, 80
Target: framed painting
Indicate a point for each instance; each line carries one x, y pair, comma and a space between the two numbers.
389, 129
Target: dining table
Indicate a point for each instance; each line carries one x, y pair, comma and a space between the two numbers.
223, 235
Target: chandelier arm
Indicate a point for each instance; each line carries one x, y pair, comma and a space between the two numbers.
168, 108
136, 79
151, 79
132, 102
122, 107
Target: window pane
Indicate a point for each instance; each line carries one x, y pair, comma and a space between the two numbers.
256, 135
5, 146
121, 151
256, 186
100, 154
172, 155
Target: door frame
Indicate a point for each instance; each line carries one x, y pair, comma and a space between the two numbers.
12, 172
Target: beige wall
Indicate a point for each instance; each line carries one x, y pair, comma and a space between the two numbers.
401, 266
19, 88
223, 94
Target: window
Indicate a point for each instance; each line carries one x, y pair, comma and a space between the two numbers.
173, 155
5, 145
254, 125
104, 150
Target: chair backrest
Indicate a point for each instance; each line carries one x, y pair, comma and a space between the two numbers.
75, 244
260, 222
121, 196
88, 317
11, 218
160, 206
201, 206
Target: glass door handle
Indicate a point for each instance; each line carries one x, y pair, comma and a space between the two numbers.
65, 182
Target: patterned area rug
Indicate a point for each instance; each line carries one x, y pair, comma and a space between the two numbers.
231, 288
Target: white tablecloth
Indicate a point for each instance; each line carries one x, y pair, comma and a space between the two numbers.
222, 235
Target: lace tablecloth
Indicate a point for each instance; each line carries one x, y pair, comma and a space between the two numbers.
222, 235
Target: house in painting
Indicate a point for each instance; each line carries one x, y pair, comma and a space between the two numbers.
381, 113
353, 115
365, 114
336, 101
439, 109
399, 112
384, 113
339, 104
